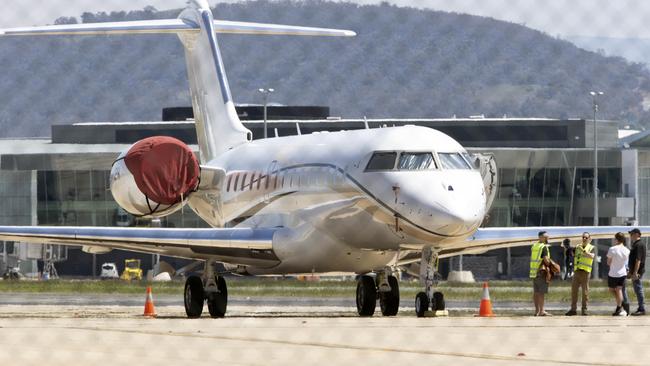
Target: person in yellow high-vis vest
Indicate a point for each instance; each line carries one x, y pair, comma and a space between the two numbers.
583, 262
539, 254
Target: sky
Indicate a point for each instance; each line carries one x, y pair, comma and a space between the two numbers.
564, 18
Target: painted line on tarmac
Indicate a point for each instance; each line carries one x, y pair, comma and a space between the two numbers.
348, 347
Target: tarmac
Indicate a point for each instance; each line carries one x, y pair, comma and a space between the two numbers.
96, 332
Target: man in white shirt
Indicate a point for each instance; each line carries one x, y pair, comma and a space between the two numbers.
617, 258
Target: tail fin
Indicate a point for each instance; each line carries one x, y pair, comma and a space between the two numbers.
217, 125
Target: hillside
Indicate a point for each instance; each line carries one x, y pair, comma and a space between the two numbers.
404, 63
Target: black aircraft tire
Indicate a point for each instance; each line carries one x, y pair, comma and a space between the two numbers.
421, 304
389, 301
218, 301
366, 296
194, 297
438, 302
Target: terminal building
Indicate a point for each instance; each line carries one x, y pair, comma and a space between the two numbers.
545, 178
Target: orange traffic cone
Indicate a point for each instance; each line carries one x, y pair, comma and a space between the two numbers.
486, 303
149, 310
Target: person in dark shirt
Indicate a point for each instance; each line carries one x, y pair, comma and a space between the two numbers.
569, 255
637, 268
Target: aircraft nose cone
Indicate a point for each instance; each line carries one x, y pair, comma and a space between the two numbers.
462, 220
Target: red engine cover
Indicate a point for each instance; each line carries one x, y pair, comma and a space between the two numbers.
164, 168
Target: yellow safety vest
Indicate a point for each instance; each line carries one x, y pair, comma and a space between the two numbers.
582, 261
536, 258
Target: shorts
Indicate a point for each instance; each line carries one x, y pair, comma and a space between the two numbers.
614, 282
540, 286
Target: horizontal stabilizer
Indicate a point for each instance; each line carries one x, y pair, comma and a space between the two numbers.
137, 27
173, 26
224, 26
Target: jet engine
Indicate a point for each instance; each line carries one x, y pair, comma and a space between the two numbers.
154, 177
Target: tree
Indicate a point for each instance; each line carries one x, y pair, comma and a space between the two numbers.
66, 20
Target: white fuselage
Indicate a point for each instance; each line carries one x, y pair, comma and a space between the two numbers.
337, 214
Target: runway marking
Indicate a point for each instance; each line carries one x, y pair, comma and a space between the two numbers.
343, 346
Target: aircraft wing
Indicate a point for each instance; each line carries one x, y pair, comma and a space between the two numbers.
173, 26
244, 246
485, 239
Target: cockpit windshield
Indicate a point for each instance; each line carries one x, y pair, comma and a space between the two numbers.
473, 160
453, 161
382, 161
416, 161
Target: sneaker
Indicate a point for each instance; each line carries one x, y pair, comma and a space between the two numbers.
544, 314
622, 313
626, 307
638, 312
571, 313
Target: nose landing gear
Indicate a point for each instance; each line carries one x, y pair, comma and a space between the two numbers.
429, 278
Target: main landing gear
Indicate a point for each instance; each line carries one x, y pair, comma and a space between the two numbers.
429, 278
383, 287
210, 288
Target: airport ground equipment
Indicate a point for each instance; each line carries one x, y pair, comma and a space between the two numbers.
132, 270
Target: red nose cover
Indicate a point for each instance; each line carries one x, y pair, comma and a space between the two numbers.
164, 168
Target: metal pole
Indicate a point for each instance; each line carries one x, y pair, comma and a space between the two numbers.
595, 272
595, 165
266, 95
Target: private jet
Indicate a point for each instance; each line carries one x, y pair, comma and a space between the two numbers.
366, 202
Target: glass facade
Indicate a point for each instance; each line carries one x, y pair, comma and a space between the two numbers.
644, 188
542, 187
83, 198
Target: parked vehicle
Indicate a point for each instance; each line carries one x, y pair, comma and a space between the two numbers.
132, 270
12, 273
109, 271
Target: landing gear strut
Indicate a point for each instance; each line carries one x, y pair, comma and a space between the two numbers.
429, 278
211, 288
385, 287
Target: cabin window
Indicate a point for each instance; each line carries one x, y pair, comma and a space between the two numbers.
416, 161
236, 181
453, 161
382, 161
228, 185
250, 185
243, 182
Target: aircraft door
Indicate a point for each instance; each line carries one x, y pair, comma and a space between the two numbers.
488, 168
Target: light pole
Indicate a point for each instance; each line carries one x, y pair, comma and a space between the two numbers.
595, 95
266, 93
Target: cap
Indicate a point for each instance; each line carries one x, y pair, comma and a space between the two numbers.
542, 233
635, 231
